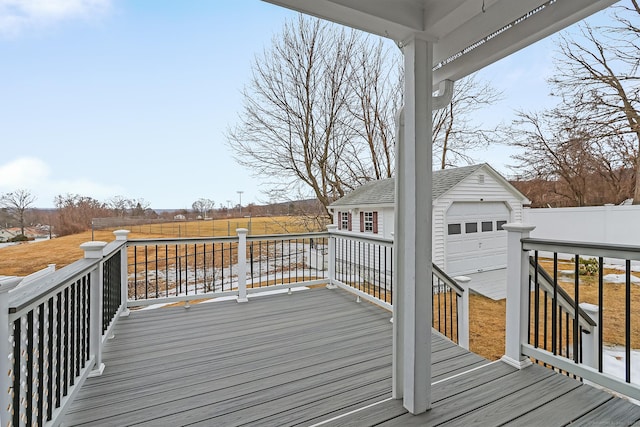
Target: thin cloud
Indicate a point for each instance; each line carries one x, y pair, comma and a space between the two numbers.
34, 175
17, 16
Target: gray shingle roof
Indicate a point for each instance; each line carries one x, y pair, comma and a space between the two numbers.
382, 192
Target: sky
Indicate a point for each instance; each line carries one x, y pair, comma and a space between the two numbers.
132, 98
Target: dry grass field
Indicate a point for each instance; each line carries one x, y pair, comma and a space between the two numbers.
487, 317
26, 258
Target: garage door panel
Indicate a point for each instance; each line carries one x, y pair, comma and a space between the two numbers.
477, 251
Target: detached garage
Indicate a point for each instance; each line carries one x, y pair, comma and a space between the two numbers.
470, 206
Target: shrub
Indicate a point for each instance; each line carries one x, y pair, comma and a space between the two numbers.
587, 266
19, 238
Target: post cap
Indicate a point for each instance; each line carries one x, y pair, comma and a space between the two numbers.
93, 249
9, 283
589, 308
121, 234
242, 230
518, 227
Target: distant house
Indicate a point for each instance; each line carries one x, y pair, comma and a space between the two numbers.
470, 205
180, 217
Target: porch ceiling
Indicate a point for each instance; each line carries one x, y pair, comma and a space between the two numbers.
468, 34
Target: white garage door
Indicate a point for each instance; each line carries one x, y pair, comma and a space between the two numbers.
475, 239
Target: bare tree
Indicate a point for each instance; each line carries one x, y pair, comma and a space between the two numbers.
598, 81
376, 95
298, 129
203, 206
564, 157
16, 204
119, 205
75, 212
319, 113
138, 207
455, 131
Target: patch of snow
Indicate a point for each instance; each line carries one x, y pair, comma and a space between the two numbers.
613, 363
619, 278
152, 307
256, 294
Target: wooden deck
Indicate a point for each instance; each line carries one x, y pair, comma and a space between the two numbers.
307, 358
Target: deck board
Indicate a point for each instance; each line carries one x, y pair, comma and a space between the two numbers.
310, 357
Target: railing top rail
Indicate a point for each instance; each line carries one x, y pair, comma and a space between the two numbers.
369, 238
292, 236
41, 289
448, 280
112, 247
583, 248
181, 240
547, 282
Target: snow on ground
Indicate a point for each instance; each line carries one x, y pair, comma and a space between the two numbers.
615, 278
613, 363
257, 294
619, 278
232, 297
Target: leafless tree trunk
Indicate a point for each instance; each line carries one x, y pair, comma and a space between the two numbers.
17, 203
597, 77
318, 112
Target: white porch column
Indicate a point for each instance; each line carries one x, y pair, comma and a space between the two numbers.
412, 312
242, 264
518, 288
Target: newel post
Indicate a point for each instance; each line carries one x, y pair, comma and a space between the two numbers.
517, 319
590, 348
6, 327
332, 228
121, 236
242, 264
463, 311
94, 250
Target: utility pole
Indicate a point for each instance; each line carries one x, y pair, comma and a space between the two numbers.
240, 193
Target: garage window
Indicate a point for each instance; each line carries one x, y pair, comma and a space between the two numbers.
368, 222
487, 225
345, 221
471, 227
454, 229
499, 224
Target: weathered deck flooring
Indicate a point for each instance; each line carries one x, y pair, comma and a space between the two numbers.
306, 358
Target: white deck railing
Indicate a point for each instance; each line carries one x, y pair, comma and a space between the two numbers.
544, 323
52, 332
54, 327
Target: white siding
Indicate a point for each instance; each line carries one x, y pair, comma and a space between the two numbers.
469, 190
385, 220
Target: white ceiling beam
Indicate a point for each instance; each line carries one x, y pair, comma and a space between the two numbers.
454, 25
544, 23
